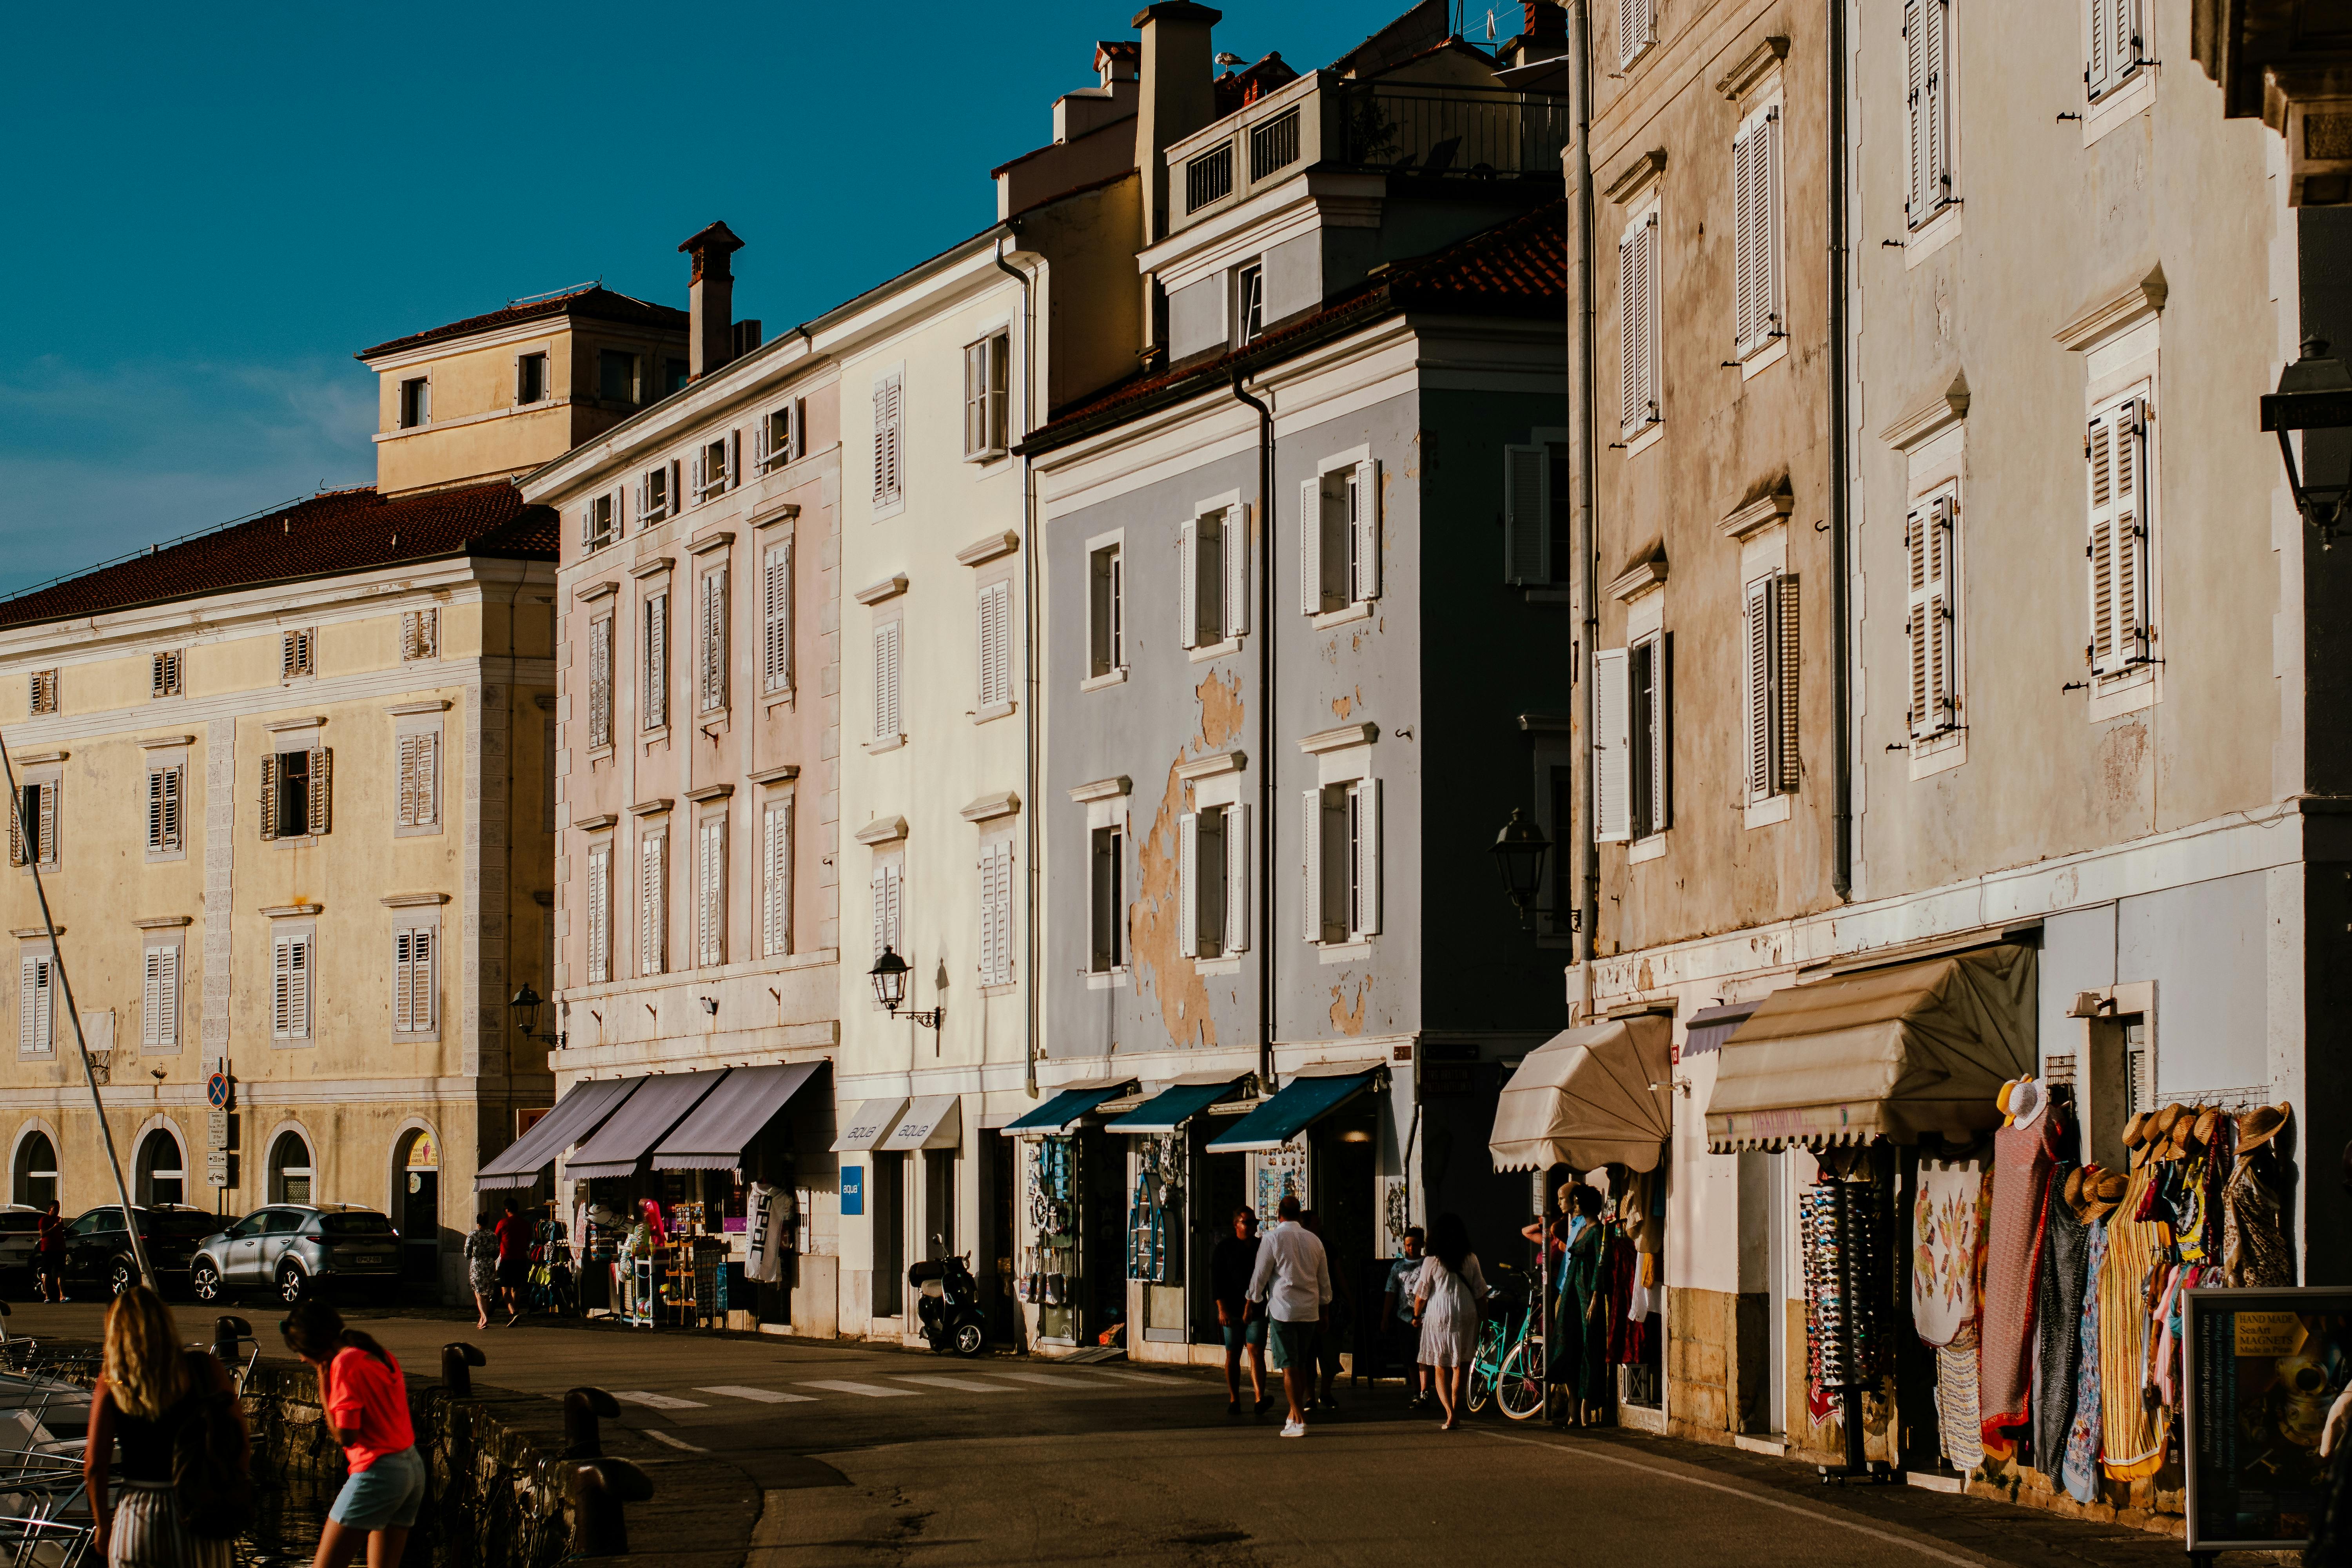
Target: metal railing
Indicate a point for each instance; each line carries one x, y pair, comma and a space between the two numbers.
1460, 133
1274, 144
1209, 177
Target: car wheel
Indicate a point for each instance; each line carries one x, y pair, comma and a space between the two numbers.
205, 1279
292, 1284
121, 1275
971, 1338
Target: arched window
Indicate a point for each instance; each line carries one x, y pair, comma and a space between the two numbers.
34, 1181
289, 1169
163, 1175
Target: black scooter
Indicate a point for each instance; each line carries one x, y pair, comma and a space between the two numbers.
949, 1306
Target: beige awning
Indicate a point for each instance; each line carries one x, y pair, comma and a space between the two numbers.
1895, 1053
1589, 1097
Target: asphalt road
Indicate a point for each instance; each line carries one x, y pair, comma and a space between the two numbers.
867, 1455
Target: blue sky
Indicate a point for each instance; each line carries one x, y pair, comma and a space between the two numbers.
216, 206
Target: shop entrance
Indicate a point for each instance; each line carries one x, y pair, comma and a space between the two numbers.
998, 1202
888, 1203
940, 1204
1346, 1209
1219, 1186
416, 1178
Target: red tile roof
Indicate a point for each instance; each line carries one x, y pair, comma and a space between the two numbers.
338, 532
1516, 268
592, 303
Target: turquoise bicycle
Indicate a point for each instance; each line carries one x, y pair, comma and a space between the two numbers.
1507, 1367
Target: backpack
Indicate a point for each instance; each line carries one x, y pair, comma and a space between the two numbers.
209, 1478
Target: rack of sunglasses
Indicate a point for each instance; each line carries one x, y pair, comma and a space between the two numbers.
1845, 1227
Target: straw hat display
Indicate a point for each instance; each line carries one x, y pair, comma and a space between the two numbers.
2104, 1194
2260, 1125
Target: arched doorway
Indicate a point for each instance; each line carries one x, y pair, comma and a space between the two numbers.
34, 1181
289, 1169
416, 1204
162, 1176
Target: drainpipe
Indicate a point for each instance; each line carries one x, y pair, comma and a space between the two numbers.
1841, 496
1029, 736
1583, 432
1266, 815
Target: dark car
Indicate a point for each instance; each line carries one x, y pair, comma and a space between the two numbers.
98, 1246
293, 1250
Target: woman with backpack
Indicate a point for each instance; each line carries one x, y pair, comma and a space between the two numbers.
147, 1396
365, 1401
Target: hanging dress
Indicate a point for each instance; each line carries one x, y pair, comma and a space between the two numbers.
2132, 1431
2079, 1469
2021, 1160
2065, 1248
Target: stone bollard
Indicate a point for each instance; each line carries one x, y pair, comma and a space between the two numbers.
458, 1359
599, 1489
228, 1333
581, 1406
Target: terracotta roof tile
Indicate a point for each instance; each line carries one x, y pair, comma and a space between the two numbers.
342, 531
592, 303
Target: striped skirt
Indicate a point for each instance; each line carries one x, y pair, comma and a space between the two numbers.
147, 1533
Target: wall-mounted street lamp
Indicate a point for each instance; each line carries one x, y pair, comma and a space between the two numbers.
526, 1005
2315, 392
890, 973
1519, 850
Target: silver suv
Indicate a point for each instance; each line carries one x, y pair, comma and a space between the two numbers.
293, 1250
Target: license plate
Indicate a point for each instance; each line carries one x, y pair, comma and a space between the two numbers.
370, 1262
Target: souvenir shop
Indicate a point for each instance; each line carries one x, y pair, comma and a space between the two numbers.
1967, 1255
1593, 1107
1070, 1276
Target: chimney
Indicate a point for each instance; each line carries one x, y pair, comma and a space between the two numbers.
1177, 97
710, 298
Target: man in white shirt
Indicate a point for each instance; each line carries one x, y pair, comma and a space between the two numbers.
1293, 1282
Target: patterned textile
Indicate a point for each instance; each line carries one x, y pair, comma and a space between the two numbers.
2058, 1307
2079, 1468
2132, 1431
1944, 1270
2021, 1158
1959, 1420
2255, 1248
147, 1534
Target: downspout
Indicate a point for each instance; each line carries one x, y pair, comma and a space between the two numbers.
1583, 432
1265, 814
1029, 735
1840, 498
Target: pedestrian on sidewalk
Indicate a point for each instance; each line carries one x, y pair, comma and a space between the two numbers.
1448, 1304
49, 1255
1396, 1313
482, 1268
1238, 1319
514, 1260
364, 1400
150, 1388
1292, 1281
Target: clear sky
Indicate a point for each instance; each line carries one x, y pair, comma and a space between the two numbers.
214, 207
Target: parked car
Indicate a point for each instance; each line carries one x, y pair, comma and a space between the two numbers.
18, 1225
293, 1250
97, 1246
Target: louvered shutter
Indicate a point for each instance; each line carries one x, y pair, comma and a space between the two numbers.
600, 916
1527, 512
1188, 884
46, 844
776, 881
1188, 582
1237, 571
1611, 754
1788, 657
2119, 544
734, 475
776, 618
1365, 918
1646, 320
701, 476
713, 661
1922, 716
1759, 683
17, 830
652, 919
407, 816
1310, 547
888, 405
150, 999
176, 780
1660, 719
28, 983
404, 961
600, 682
161, 1022
269, 795
881, 890
1366, 523
1311, 861
657, 705
299, 970
995, 616
1745, 205
1629, 327
281, 1000
1772, 299
1915, 78
642, 510
155, 777
894, 885
996, 912
424, 994
1238, 878
428, 780
886, 681
1935, 185
710, 893
322, 791
759, 446
1632, 29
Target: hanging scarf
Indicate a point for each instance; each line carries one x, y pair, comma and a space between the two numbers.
2132, 1436
2079, 1468
2058, 1308
1944, 1265
2021, 1161
2255, 1251
1958, 1412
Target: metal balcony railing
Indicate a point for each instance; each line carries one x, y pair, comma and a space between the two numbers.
1458, 132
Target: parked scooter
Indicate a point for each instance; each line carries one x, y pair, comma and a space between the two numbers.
948, 1305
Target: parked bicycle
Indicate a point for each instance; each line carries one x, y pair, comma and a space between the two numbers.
1509, 1365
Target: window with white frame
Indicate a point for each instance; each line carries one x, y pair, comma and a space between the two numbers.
1768, 684
1105, 611
1339, 537
165, 673
599, 911
297, 791
1633, 773
653, 904
1639, 403
43, 698
1637, 29
1758, 285
987, 404
530, 378
298, 654
1212, 870
889, 447
2118, 45
776, 618
658, 494
600, 682
1213, 576
159, 1000
887, 885
1928, 55
776, 876
1932, 624
778, 438
2122, 513
1536, 552
293, 967
37, 1009
996, 905
416, 401
1107, 899
600, 520
35, 818
653, 707
711, 642
417, 786
416, 979
993, 614
710, 892
1340, 830
420, 635
166, 806
1249, 304
889, 722
715, 465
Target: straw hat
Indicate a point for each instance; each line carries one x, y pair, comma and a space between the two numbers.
2103, 1195
2162, 1129
2209, 1126
2135, 1130
2262, 1123
2027, 1100
2071, 1191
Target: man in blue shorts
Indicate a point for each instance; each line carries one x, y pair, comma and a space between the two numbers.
1243, 1325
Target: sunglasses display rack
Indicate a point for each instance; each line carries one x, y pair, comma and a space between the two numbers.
1155, 1219
1054, 1222
1844, 1229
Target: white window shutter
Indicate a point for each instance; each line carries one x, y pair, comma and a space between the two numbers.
1188, 587
776, 881
700, 479
1646, 316
652, 921
1774, 304
166, 1022
424, 995
886, 681
405, 815
2099, 74
150, 998
2108, 613
1744, 207
713, 642
894, 889
1238, 878
995, 618
1310, 547
1915, 81
641, 495
1311, 843
1367, 525
710, 893
428, 780
1629, 328
888, 406
1526, 535
776, 618
600, 916
1366, 916
880, 885
1935, 185
1237, 570
656, 683
155, 808
44, 826
1611, 756
269, 796
403, 982
298, 989
1188, 884
2128, 523
27, 1000
1758, 623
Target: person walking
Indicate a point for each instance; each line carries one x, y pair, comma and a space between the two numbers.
1397, 1308
1238, 1320
147, 1389
1338, 1320
482, 1268
364, 1399
1292, 1280
514, 1260
1448, 1303
49, 1255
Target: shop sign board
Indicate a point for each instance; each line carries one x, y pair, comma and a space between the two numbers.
2263, 1366
853, 1189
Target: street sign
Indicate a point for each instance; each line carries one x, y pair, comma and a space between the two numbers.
216, 1168
217, 1091
216, 1128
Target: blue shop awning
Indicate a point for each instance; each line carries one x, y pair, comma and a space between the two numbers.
1177, 1104
660, 1103
583, 1108
1066, 1110
1302, 1102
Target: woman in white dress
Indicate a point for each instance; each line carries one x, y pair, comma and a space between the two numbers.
1448, 1305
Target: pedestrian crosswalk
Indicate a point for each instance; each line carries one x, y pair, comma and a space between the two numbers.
906, 1385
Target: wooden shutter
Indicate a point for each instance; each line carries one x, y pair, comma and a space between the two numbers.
28, 983
15, 829
1929, 535
653, 916
175, 784
2117, 453
2117, 45
406, 812
1611, 753
428, 780
45, 825
996, 912
1759, 683
1914, 77
1310, 860
1634, 27
776, 617
888, 405
1188, 884
322, 791
975, 398
423, 995
269, 794
1238, 878
1366, 524
1235, 532
887, 716
1787, 661
710, 893
1310, 547
36, 1020
734, 475
1646, 320
155, 787
1631, 277
403, 963
657, 713
600, 682
1772, 301
1526, 513
1936, 129
160, 998
995, 618
701, 473
713, 661
1745, 206
1188, 582
776, 879
1102, 889
289, 1018
643, 510
760, 444
1364, 919
881, 886
600, 916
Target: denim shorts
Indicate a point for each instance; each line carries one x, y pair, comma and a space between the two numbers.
1295, 1344
1251, 1333
384, 1496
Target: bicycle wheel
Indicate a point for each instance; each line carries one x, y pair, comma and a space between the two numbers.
1478, 1385
1519, 1387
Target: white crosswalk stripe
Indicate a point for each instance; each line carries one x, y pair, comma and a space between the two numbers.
764, 1395
1132, 1377
1049, 1379
870, 1390
658, 1400
968, 1384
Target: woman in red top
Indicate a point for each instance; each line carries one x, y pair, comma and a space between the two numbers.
50, 1256
366, 1403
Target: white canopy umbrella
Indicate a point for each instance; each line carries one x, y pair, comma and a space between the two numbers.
1591, 1097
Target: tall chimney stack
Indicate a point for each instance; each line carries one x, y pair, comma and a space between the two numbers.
1178, 95
711, 299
